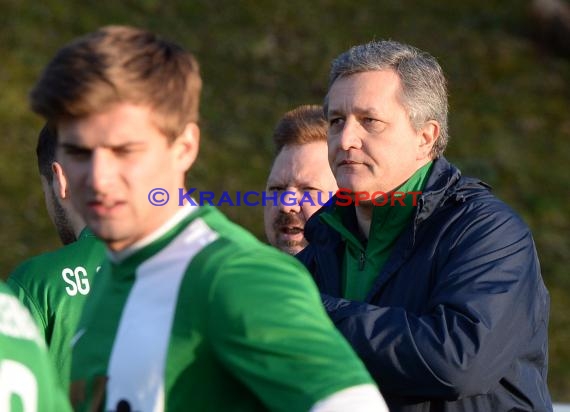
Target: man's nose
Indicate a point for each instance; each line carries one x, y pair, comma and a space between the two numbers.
289, 201
349, 137
101, 171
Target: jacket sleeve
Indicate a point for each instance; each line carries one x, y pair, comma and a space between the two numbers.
487, 303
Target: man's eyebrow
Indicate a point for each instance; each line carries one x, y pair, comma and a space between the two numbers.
310, 187
271, 183
334, 112
366, 111
71, 145
74, 146
299, 185
126, 145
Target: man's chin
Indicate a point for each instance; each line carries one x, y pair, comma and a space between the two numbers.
292, 247
110, 235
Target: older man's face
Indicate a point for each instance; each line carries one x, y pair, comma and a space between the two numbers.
372, 144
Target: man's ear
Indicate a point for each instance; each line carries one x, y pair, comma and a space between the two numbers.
427, 135
187, 146
59, 181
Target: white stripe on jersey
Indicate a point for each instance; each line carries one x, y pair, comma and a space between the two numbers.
360, 398
137, 363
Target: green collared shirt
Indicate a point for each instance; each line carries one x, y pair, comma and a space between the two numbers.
365, 258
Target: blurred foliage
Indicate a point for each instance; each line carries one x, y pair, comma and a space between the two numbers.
509, 101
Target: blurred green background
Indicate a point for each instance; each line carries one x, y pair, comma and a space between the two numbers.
509, 103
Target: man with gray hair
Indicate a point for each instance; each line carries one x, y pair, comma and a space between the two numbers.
434, 281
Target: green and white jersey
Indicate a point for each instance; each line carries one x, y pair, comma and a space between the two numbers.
202, 316
54, 286
27, 377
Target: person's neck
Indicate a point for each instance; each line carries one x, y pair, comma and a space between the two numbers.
75, 221
365, 210
119, 254
364, 218
78, 227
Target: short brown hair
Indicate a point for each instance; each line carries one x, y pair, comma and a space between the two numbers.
120, 64
302, 125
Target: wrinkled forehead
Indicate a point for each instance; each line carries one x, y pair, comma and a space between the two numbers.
364, 88
300, 165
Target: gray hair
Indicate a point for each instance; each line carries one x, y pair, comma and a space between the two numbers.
424, 91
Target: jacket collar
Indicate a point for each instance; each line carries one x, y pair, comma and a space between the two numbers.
443, 176
445, 184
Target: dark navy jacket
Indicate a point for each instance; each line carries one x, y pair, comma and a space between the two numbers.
457, 319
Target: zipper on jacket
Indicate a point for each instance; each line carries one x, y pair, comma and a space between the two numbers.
362, 260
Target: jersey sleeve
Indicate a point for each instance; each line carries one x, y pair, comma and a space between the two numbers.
27, 375
270, 330
25, 295
361, 398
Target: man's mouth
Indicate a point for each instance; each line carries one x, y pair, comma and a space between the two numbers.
104, 208
348, 163
289, 226
291, 230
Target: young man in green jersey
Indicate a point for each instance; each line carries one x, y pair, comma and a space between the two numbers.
27, 377
54, 285
194, 313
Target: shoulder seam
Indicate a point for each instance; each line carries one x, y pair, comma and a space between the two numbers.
14, 282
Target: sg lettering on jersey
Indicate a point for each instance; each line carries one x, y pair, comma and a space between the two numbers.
77, 280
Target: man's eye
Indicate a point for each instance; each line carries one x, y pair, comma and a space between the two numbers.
124, 151
313, 193
335, 121
373, 124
